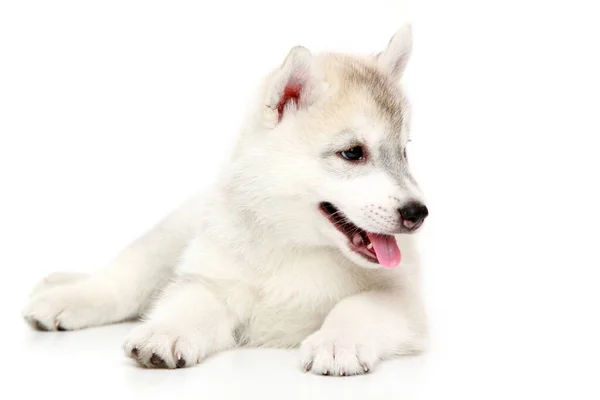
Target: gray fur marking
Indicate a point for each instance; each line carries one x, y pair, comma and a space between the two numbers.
387, 97
381, 88
393, 161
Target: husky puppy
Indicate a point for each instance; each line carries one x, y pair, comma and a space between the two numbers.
305, 240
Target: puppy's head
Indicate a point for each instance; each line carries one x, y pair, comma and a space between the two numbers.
324, 158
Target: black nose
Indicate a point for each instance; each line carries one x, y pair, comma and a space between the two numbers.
414, 212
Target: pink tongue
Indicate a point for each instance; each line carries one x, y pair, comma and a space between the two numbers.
386, 249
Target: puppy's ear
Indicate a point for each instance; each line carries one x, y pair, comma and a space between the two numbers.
395, 57
292, 86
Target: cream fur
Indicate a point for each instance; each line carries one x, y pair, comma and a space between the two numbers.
252, 262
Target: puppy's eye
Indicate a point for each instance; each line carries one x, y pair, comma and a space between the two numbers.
353, 154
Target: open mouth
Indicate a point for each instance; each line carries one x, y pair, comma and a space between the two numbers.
374, 247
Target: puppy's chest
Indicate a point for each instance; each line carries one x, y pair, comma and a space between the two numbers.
294, 298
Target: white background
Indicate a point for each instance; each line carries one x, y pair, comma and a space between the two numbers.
112, 112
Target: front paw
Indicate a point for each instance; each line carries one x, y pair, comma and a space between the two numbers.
337, 353
67, 307
157, 345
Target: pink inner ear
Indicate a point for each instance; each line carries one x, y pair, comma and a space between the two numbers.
290, 93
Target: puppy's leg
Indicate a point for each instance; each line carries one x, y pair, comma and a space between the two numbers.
363, 329
120, 291
189, 323
58, 279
